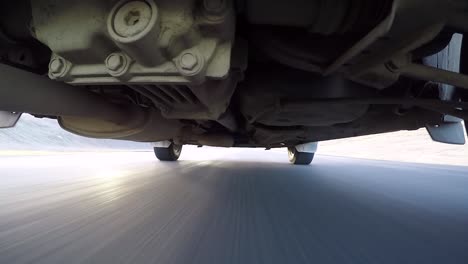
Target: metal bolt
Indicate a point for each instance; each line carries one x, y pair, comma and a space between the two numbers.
114, 61
188, 61
57, 65
132, 18
214, 6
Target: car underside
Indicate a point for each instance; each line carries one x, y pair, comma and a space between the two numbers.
246, 73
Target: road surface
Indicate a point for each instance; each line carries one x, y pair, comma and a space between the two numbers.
233, 207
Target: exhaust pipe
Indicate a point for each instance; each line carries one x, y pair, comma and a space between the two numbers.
25, 92
80, 111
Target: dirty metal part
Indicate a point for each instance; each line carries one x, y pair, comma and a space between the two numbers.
453, 108
58, 67
381, 120
179, 102
21, 91
294, 85
359, 57
157, 101
153, 127
326, 49
423, 72
397, 34
171, 99
78, 110
177, 56
117, 64
403, 65
189, 61
371, 69
208, 101
98, 128
136, 42
379, 31
134, 27
308, 114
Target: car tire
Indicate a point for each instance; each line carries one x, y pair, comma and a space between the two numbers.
171, 153
299, 158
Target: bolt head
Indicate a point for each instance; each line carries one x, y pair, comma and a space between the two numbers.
132, 18
188, 61
114, 62
57, 65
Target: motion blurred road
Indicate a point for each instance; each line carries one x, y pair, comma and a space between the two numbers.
238, 206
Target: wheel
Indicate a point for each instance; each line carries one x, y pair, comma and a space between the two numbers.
299, 158
171, 153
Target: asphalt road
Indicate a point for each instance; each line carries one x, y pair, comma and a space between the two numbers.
238, 207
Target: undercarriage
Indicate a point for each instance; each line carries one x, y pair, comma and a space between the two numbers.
240, 73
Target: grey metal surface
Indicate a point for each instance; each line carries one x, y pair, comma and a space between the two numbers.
451, 132
249, 208
96, 42
9, 119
